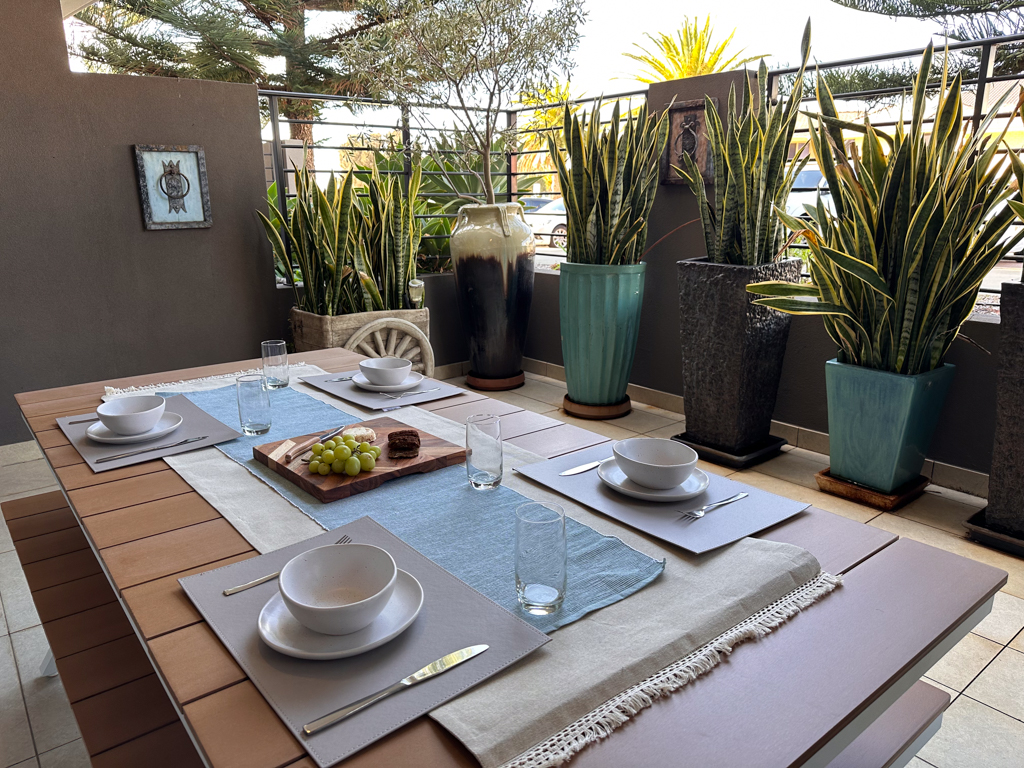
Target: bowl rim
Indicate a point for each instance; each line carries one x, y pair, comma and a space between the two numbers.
617, 443
284, 592
101, 412
371, 363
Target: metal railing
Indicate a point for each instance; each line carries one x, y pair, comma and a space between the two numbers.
526, 158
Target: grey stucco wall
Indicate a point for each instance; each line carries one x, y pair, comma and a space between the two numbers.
86, 292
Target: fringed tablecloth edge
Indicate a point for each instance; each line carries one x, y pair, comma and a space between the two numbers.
602, 722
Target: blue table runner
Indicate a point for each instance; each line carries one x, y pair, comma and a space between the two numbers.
467, 532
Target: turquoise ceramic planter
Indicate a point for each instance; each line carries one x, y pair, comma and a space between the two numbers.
880, 424
599, 308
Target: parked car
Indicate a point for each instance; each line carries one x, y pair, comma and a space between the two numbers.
532, 204
549, 223
810, 183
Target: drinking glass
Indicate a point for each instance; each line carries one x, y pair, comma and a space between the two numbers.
483, 451
275, 364
540, 557
253, 403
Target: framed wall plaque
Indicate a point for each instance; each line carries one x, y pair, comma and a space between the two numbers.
173, 187
687, 135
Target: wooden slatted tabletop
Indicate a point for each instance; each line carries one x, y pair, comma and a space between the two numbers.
130, 533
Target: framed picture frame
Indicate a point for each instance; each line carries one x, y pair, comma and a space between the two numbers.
687, 135
173, 187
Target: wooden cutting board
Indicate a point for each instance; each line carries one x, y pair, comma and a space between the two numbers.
435, 453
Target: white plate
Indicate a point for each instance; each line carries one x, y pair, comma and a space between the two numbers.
282, 632
616, 479
410, 381
167, 424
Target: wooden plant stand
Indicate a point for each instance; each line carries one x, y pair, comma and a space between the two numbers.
595, 412
496, 385
887, 502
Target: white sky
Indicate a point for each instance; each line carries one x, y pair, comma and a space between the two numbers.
762, 27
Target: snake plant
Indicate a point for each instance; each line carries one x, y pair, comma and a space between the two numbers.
318, 228
609, 182
751, 177
387, 239
920, 218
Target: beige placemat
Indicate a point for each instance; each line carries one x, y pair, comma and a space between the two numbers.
596, 672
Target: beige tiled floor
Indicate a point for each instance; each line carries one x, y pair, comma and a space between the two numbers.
984, 673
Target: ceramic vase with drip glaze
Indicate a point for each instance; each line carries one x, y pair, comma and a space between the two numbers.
493, 251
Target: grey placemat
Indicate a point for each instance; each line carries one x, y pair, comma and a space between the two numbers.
195, 422
346, 390
719, 527
453, 616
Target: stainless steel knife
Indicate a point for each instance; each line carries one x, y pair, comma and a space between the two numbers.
148, 450
581, 468
435, 668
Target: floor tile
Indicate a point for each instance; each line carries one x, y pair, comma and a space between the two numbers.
6, 545
797, 466
19, 609
513, 397
1005, 621
1018, 642
49, 713
671, 430
670, 415
1001, 684
73, 755
543, 391
717, 469
926, 534
940, 510
28, 476
607, 428
15, 736
639, 420
973, 735
18, 453
917, 762
814, 497
30, 763
964, 662
32, 492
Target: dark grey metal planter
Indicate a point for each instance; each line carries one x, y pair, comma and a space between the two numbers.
1005, 511
732, 353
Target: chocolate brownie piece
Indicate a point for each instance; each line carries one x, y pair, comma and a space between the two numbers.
404, 444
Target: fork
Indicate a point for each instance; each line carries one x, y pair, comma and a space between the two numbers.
409, 394
697, 514
346, 539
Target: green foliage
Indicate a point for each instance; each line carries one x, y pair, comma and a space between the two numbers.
920, 219
751, 177
318, 231
347, 256
609, 182
387, 240
689, 53
472, 57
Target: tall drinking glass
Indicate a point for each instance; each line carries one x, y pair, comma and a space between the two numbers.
483, 451
540, 557
253, 403
275, 363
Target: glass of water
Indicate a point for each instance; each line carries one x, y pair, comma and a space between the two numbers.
540, 557
275, 363
483, 451
253, 403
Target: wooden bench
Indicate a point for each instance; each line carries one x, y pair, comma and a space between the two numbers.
113, 582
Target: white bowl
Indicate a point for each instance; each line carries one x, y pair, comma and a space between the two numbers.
338, 589
386, 371
654, 462
132, 415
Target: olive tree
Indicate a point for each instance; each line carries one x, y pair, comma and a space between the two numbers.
472, 58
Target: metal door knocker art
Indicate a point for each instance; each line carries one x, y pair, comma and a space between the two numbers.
175, 174
176, 186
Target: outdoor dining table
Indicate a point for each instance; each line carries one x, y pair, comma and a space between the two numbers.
150, 684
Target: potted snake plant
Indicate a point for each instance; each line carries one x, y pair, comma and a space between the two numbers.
732, 349
608, 185
920, 218
354, 246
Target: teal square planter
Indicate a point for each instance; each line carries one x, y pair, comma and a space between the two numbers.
880, 424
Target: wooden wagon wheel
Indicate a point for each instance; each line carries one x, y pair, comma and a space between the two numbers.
392, 337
